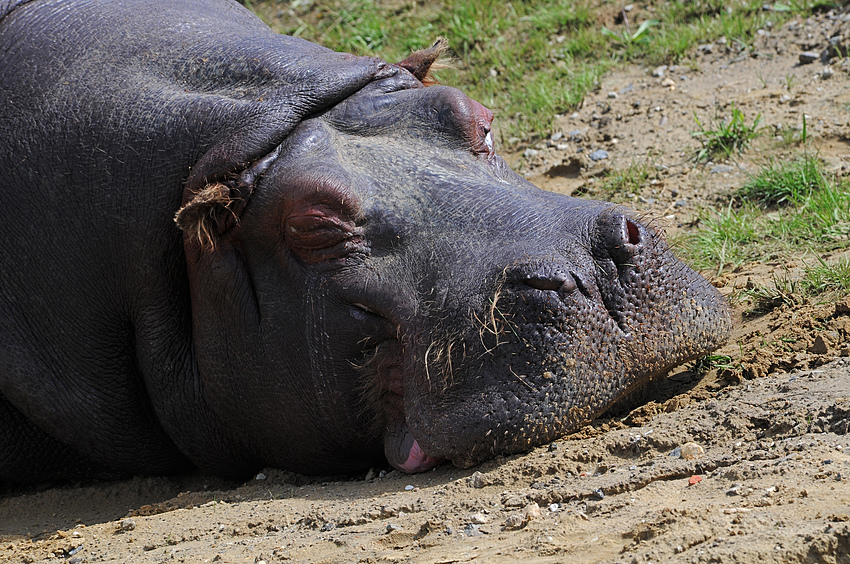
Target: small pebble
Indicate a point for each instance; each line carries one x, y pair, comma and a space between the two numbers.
260, 476
658, 72
392, 527
127, 525
472, 531
807, 57
478, 518
514, 522
408, 488
531, 511
691, 451
477, 480
598, 155
554, 507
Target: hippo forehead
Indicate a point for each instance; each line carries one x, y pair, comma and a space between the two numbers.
393, 132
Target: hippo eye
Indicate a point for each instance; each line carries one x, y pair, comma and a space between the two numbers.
317, 237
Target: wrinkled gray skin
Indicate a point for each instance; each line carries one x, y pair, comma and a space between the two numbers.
358, 275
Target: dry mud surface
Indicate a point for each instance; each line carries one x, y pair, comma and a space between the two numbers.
750, 466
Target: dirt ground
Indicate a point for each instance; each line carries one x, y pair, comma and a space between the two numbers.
737, 466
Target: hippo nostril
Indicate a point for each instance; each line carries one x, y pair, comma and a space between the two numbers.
545, 282
633, 232
569, 286
619, 237
586, 290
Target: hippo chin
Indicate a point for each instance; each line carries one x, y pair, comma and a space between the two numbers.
233, 249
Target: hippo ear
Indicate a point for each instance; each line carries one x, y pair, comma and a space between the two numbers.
422, 63
211, 212
218, 205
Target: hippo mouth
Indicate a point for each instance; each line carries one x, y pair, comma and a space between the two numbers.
404, 453
384, 375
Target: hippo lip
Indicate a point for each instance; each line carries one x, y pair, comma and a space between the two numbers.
404, 453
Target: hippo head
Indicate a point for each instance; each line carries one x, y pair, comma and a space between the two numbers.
382, 283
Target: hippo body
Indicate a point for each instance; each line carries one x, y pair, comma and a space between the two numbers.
353, 274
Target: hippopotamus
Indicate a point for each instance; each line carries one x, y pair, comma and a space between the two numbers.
229, 249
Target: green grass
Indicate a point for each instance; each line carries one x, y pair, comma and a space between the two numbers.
827, 278
785, 209
623, 182
726, 135
530, 60
786, 184
823, 282
712, 362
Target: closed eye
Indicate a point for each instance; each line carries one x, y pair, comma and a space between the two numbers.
317, 237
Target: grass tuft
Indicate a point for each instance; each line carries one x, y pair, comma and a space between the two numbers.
823, 282
725, 136
785, 208
712, 362
623, 182
781, 184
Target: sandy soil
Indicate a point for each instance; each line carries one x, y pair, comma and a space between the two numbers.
740, 466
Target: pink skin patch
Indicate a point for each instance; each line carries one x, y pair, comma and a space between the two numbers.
418, 461
482, 141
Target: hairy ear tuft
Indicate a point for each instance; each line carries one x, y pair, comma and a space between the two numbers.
202, 217
422, 63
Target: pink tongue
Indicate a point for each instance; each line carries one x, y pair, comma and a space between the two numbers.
418, 461
404, 452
